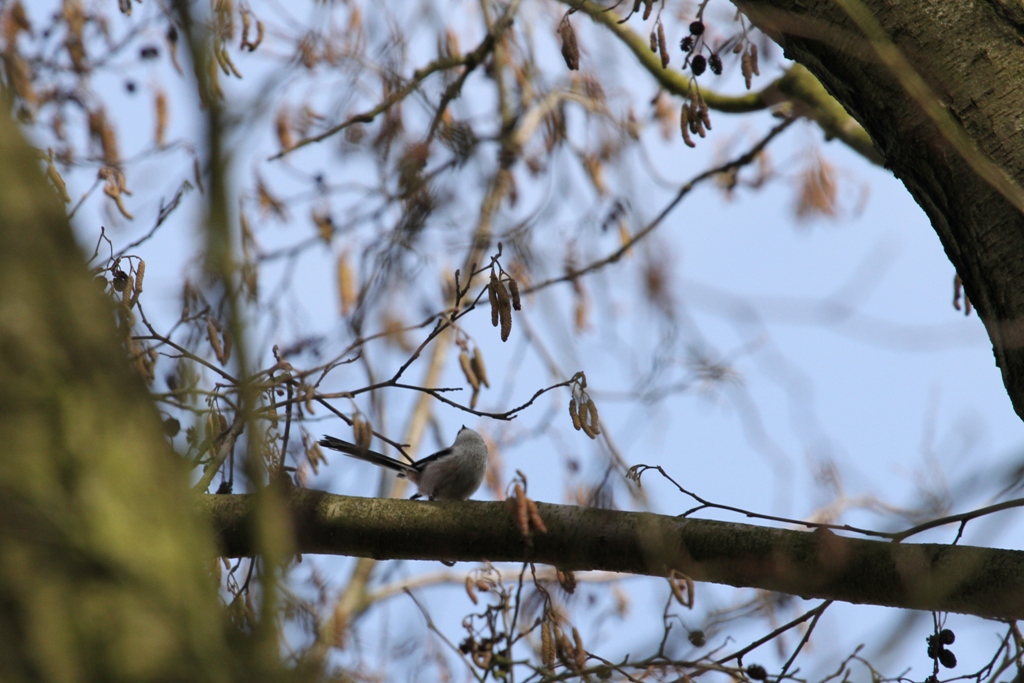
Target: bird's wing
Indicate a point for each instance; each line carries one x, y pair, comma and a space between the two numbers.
432, 457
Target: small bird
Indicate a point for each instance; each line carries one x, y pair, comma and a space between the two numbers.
454, 473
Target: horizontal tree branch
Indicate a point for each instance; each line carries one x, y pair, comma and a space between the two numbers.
970, 580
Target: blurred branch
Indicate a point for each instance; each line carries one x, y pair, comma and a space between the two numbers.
549, 575
797, 86
810, 100
671, 80
469, 62
740, 161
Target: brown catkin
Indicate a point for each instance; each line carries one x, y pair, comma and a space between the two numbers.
58, 182
283, 128
705, 115
226, 356
579, 650
654, 41
693, 114
492, 293
214, 338
517, 303
547, 645
586, 429
570, 50
479, 369
663, 44
522, 512
309, 394
574, 415
594, 420
160, 134
566, 651
682, 588
467, 370
128, 292
746, 69
684, 125
677, 591
504, 311
367, 433
140, 273
246, 23
357, 428
535, 519
346, 284
259, 36
359, 431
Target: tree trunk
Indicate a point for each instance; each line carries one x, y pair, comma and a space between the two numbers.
937, 85
102, 572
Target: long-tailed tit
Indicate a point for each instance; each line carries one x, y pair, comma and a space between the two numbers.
454, 473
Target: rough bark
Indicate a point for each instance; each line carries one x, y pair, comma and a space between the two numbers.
970, 56
101, 559
820, 564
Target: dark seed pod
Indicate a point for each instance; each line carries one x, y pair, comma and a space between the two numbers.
947, 637
947, 659
697, 638
698, 64
715, 62
171, 427
757, 672
120, 280
686, 44
697, 28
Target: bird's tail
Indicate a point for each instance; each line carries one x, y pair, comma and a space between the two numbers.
365, 454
